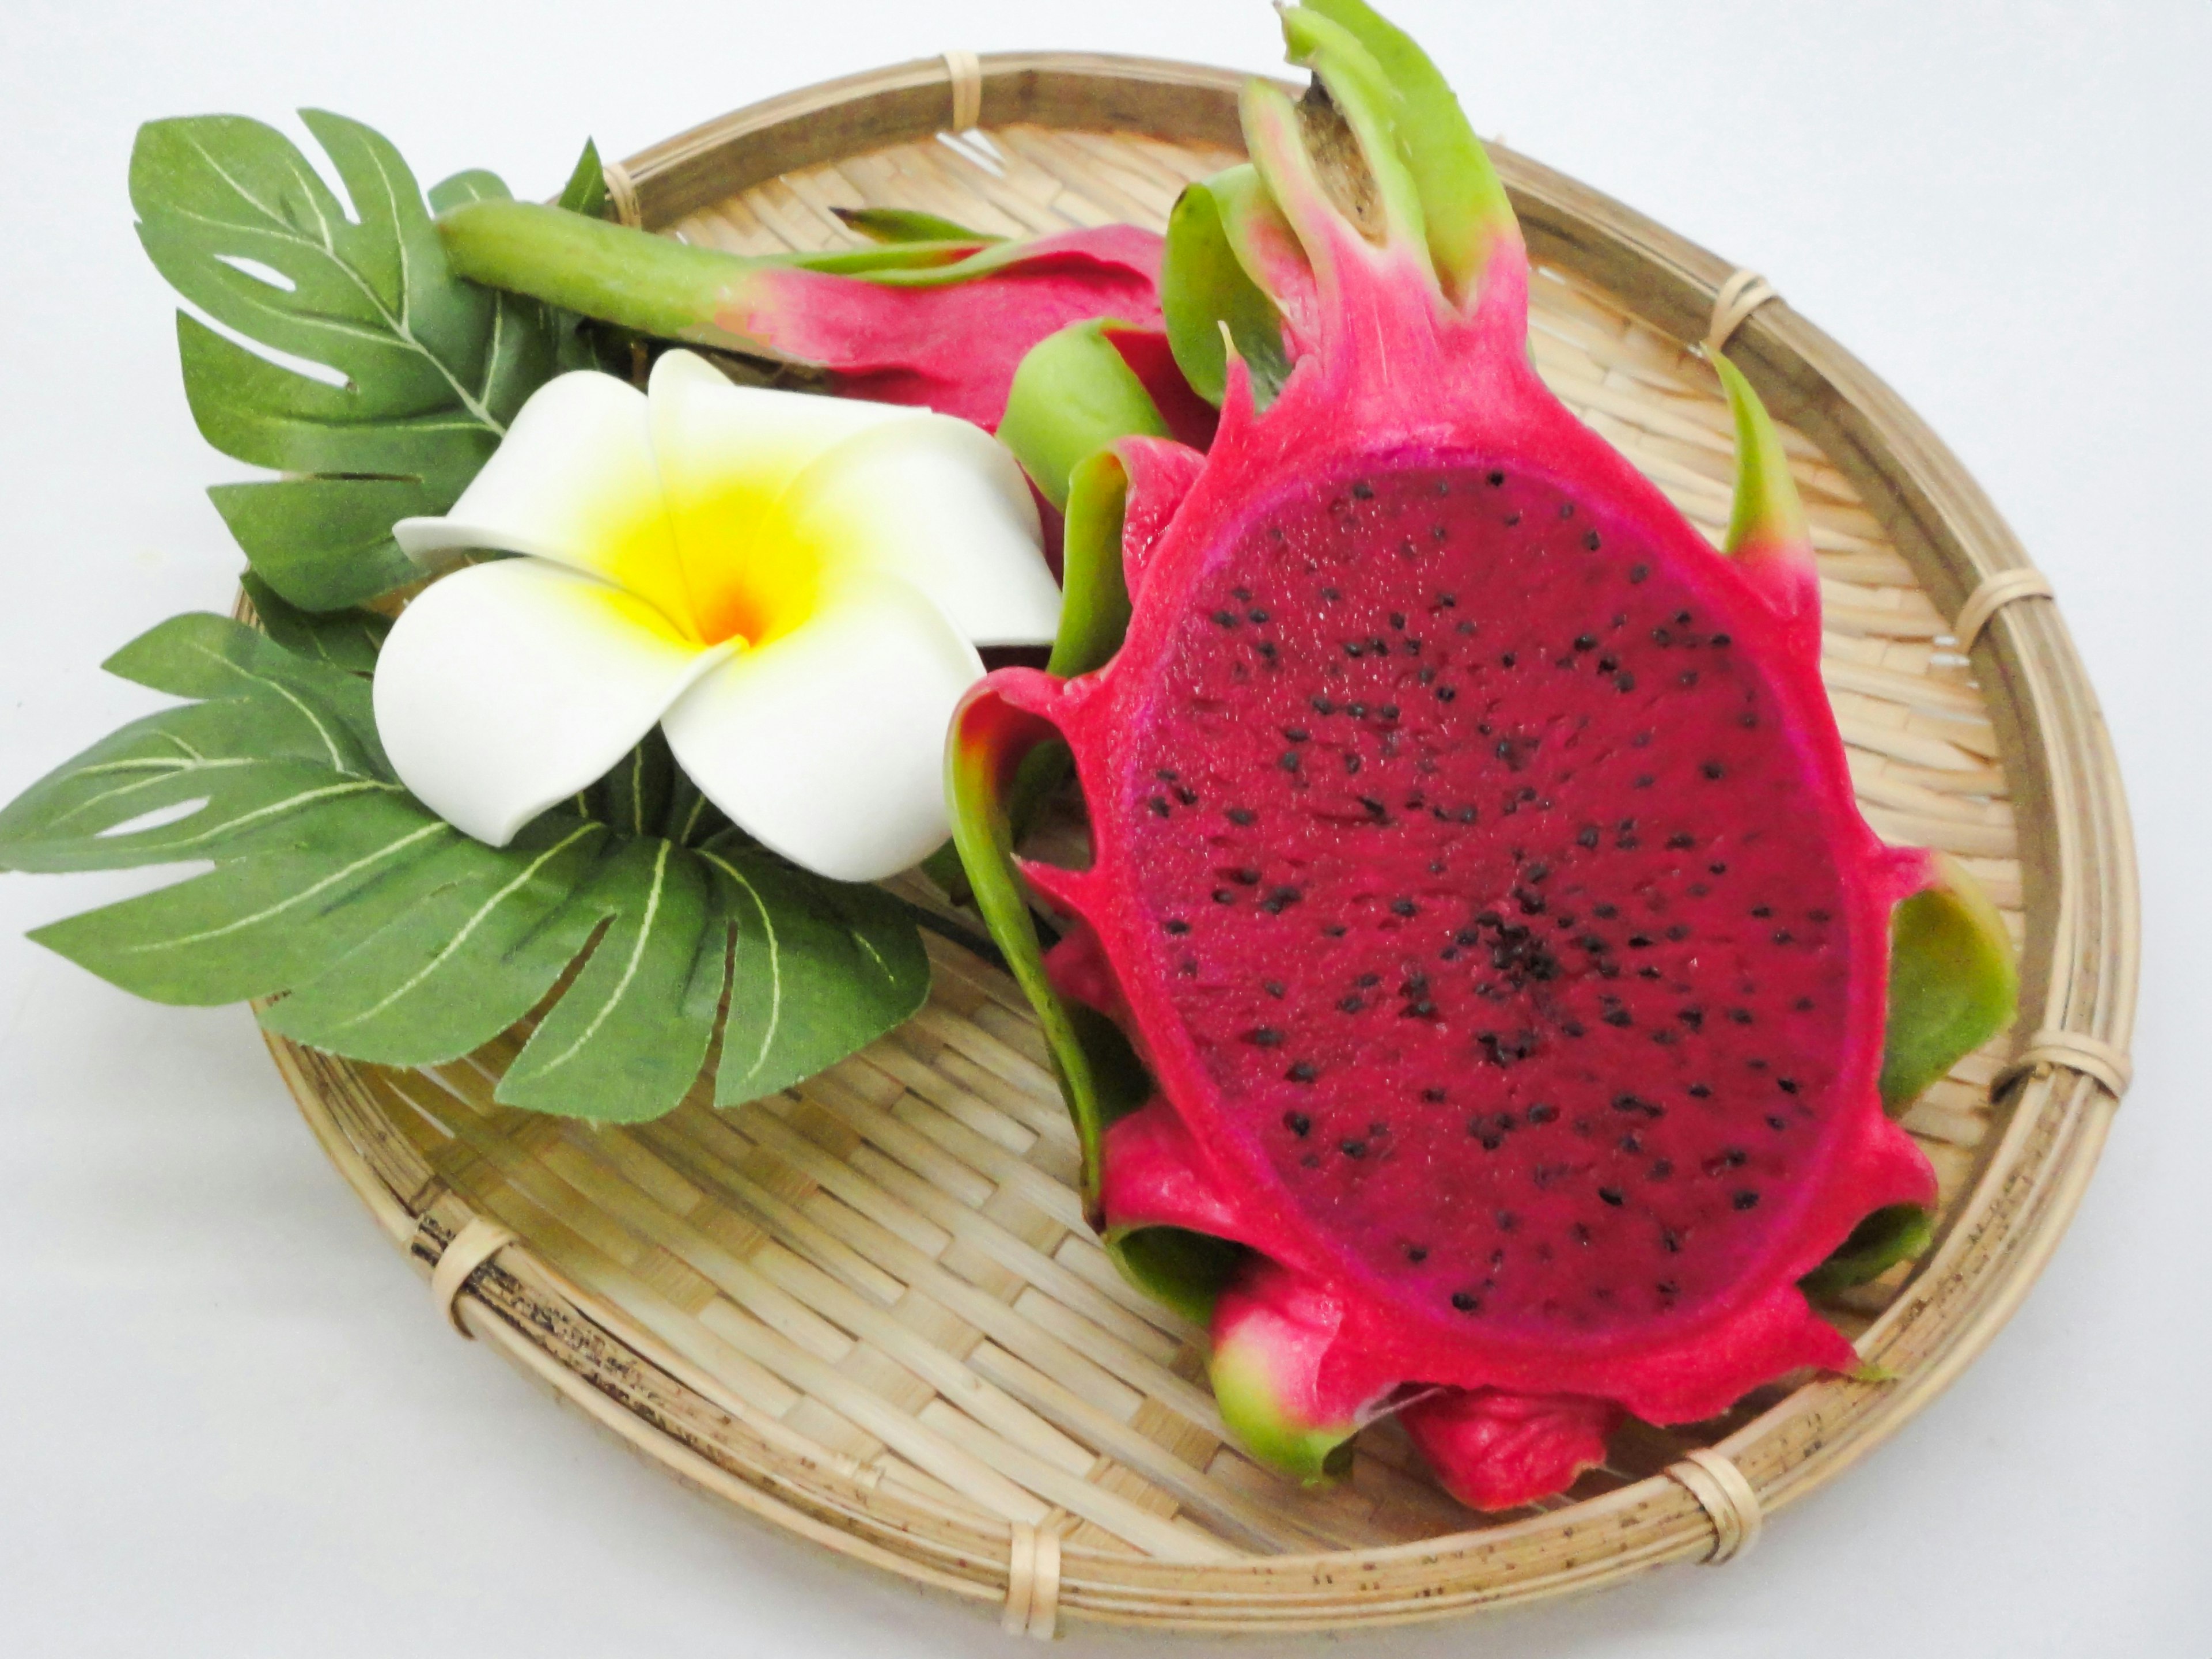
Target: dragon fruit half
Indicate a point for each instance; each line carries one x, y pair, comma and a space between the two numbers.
1479, 1004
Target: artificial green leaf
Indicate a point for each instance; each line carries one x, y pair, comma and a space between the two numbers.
431, 367
347, 639
586, 192
626, 1039
818, 969
396, 939
478, 952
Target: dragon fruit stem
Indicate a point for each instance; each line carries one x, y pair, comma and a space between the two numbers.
1273, 134
1462, 200
1363, 96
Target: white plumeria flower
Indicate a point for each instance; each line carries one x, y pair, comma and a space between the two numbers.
793, 586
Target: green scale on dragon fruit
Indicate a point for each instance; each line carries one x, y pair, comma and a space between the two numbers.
1480, 1003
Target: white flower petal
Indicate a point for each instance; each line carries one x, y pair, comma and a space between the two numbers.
829, 743
574, 481
726, 455
506, 687
943, 504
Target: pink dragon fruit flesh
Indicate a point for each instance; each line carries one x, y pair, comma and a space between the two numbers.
1476, 872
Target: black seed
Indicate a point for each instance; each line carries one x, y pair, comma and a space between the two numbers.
1497, 479
1374, 809
1606, 912
1351, 1005
1417, 1252
1740, 1016
1302, 1072
1323, 706
1746, 1199
1279, 899
1787, 1084
1624, 681
1639, 941
1353, 647
1746, 719
1506, 661
1352, 1148
1402, 906
1612, 1195
1712, 769
1717, 869
1617, 1017
1585, 642
1240, 816
1224, 618
1297, 733
1186, 795
1222, 895
1434, 1096
1661, 1168
1512, 519
1591, 541
1389, 711
1662, 636
1356, 710
1363, 490
1636, 573
1720, 639
1678, 933
1542, 1112
1175, 924
1465, 1302
1263, 1037
1701, 1090
1606, 665
1297, 1123
1687, 677
1397, 619
1288, 760
1775, 1120
1804, 1005
1446, 694
1256, 615
1167, 774
1273, 988
1588, 838
1681, 841
1695, 1019
1567, 509
1160, 805
1331, 594
1368, 981
1351, 765
1247, 877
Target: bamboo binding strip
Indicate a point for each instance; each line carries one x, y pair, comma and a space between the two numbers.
1743, 293
2109, 1065
1995, 592
1729, 1501
868, 1312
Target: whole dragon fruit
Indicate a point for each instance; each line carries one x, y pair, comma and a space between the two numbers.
1477, 880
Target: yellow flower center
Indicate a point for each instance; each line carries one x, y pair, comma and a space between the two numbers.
739, 569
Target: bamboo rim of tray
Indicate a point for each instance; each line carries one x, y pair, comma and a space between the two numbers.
868, 1311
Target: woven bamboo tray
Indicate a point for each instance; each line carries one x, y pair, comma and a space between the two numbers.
868, 1310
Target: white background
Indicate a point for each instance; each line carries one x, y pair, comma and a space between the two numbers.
229, 1423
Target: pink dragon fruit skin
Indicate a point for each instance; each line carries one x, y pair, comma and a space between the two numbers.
1476, 872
